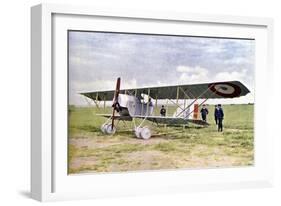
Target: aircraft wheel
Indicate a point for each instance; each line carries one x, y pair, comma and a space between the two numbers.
138, 132
103, 128
145, 133
110, 130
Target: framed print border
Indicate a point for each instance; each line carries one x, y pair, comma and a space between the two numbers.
46, 177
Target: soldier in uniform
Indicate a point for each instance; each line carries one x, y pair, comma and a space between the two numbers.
220, 116
204, 112
150, 104
216, 114
163, 111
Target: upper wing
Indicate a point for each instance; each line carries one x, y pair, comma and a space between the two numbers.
229, 89
172, 120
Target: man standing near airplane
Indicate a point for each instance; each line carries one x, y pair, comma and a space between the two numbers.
220, 116
216, 113
163, 111
204, 112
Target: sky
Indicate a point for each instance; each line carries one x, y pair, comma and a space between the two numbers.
96, 59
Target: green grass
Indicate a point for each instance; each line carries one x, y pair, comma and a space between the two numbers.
172, 147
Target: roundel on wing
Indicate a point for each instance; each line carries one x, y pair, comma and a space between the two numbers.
225, 89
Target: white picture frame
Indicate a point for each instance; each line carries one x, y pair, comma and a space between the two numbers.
49, 180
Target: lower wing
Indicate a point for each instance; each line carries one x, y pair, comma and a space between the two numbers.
172, 120
159, 119
117, 117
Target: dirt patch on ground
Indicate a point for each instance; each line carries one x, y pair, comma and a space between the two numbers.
145, 160
79, 162
89, 143
204, 156
197, 156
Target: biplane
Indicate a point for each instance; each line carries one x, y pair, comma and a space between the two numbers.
130, 104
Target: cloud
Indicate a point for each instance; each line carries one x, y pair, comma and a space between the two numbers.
239, 61
192, 74
184, 69
215, 48
98, 85
230, 76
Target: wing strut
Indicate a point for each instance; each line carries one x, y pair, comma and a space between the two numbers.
193, 102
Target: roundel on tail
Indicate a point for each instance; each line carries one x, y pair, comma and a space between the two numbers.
225, 89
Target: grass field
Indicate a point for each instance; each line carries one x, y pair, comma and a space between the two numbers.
89, 150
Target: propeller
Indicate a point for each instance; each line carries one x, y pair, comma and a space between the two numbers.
115, 105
